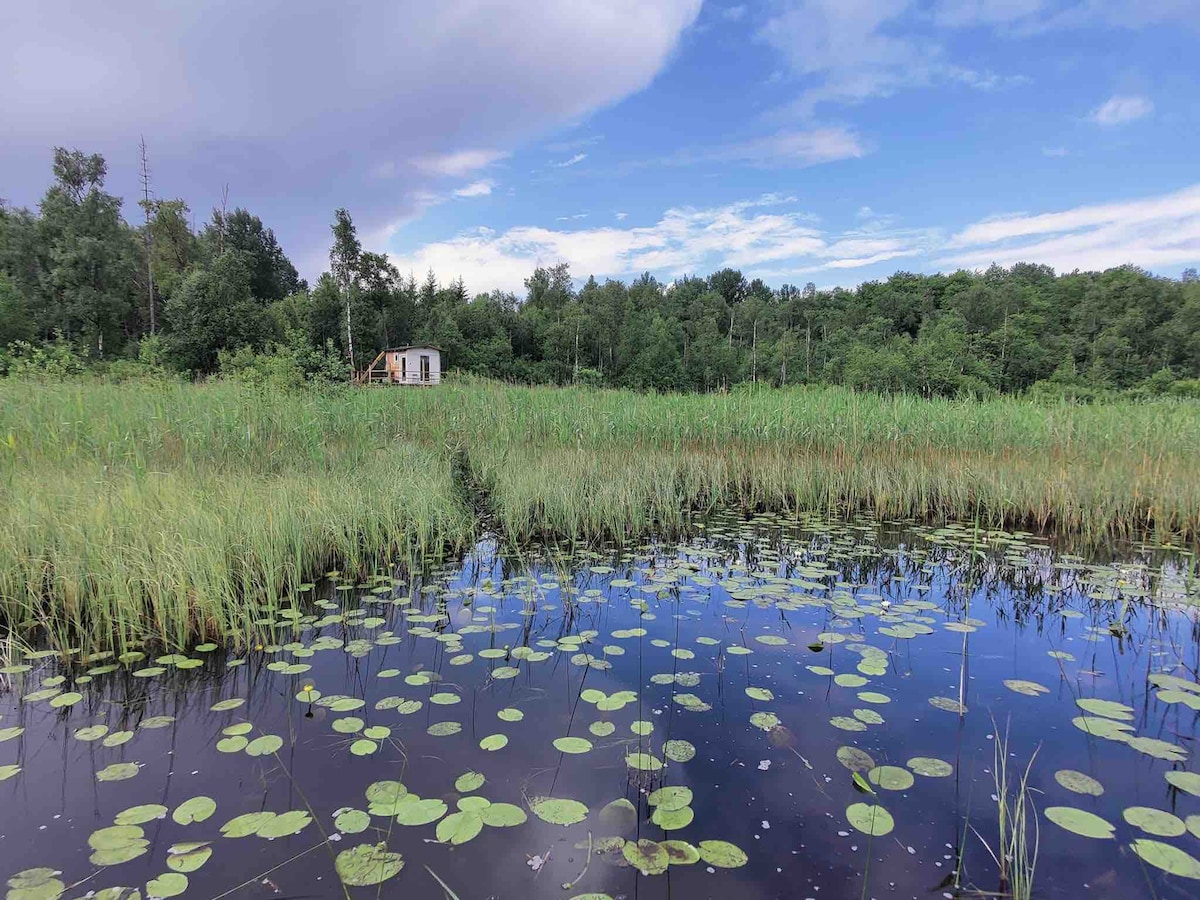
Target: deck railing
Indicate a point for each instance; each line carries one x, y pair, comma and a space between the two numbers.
380, 376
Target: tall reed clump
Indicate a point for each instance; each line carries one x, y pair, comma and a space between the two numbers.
1019, 834
153, 509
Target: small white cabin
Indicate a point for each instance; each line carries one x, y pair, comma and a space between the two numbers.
417, 364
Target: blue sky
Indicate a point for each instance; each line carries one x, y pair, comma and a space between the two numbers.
830, 141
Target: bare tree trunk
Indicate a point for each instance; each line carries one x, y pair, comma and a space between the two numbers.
148, 239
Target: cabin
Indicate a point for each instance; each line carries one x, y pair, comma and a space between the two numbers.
419, 364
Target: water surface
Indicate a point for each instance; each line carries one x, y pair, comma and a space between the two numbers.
735, 664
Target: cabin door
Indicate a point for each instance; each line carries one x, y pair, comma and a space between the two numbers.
403, 368
424, 368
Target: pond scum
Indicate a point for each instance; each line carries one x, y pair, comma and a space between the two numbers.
633, 720
150, 511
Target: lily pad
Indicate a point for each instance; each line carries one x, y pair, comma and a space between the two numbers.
930, 767
1188, 782
1169, 859
557, 810
572, 745
469, 781
648, 857
140, 815
722, 854
494, 742
264, 746
351, 821
1080, 822
367, 865
870, 819
1028, 688
195, 810
503, 815
117, 772
1154, 821
855, 760
459, 827
1078, 782
169, 884
412, 811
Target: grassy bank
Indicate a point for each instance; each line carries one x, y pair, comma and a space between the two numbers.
153, 509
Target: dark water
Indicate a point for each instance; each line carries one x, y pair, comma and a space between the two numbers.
775, 789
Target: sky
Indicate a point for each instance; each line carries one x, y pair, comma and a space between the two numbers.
824, 141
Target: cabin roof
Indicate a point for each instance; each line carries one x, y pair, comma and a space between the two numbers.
413, 347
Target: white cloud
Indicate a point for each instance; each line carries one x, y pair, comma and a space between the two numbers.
621, 216
457, 163
1121, 108
476, 189
789, 148
767, 240
577, 158
1153, 232
1029, 16
753, 234
304, 111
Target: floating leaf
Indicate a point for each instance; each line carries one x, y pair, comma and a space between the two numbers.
1028, 688
264, 746
759, 693
847, 723
870, 819
459, 827
679, 751
1109, 709
117, 772
680, 853
855, 760
246, 824
1189, 782
1154, 821
558, 811
722, 854
235, 744
494, 742
169, 884
284, 824
503, 815
469, 781
1078, 782
9, 771
7, 734
764, 721
1169, 859
930, 767
351, 821
648, 857
187, 858
367, 865
140, 815
226, 705
36, 884
644, 762
412, 811
363, 747
67, 699
602, 729
91, 733
443, 729
891, 778
1079, 822
672, 819
948, 704
195, 810
572, 745
510, 715
771, 640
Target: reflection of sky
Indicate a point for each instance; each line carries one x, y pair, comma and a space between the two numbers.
764, 798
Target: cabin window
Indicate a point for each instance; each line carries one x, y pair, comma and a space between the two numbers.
403, 367
424, 368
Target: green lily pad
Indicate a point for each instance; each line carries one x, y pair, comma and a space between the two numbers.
363, 747
117, 772
503, 815
1188, 782
91, 733
413, 811
1154, 821
35, 884
722, 854
891, 778
870, 819
1078, 782
679, 751
367, 865
68, 699
510, 715
557, 810
680, 853
948, 704
1169, 859
169, 884
672, 819
195, 810
759, 693
284, 825
602, 729
9, 771
930, 767
1028, 688
443, 729
1080, 822
855, 760
494, 742
7, 734
648, 857
1109, 709
235, 744
246, 824
226, 705
264, 746
572, 745
187, 858
140, 815
351, 821
644, 762
459, 827
469, 781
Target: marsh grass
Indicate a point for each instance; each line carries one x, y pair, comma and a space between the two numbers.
1018, 832
154, 510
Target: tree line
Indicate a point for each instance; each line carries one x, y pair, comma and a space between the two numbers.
81, 287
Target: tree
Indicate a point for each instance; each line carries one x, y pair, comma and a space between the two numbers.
214, 310
344, 263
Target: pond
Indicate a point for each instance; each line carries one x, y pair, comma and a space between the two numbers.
772, 708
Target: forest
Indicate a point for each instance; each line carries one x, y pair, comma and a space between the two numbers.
84, 287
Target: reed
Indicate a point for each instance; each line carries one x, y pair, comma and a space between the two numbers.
153, 510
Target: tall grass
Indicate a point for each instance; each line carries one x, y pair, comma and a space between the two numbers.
153, 510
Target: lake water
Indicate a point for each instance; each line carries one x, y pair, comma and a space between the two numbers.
737, 665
